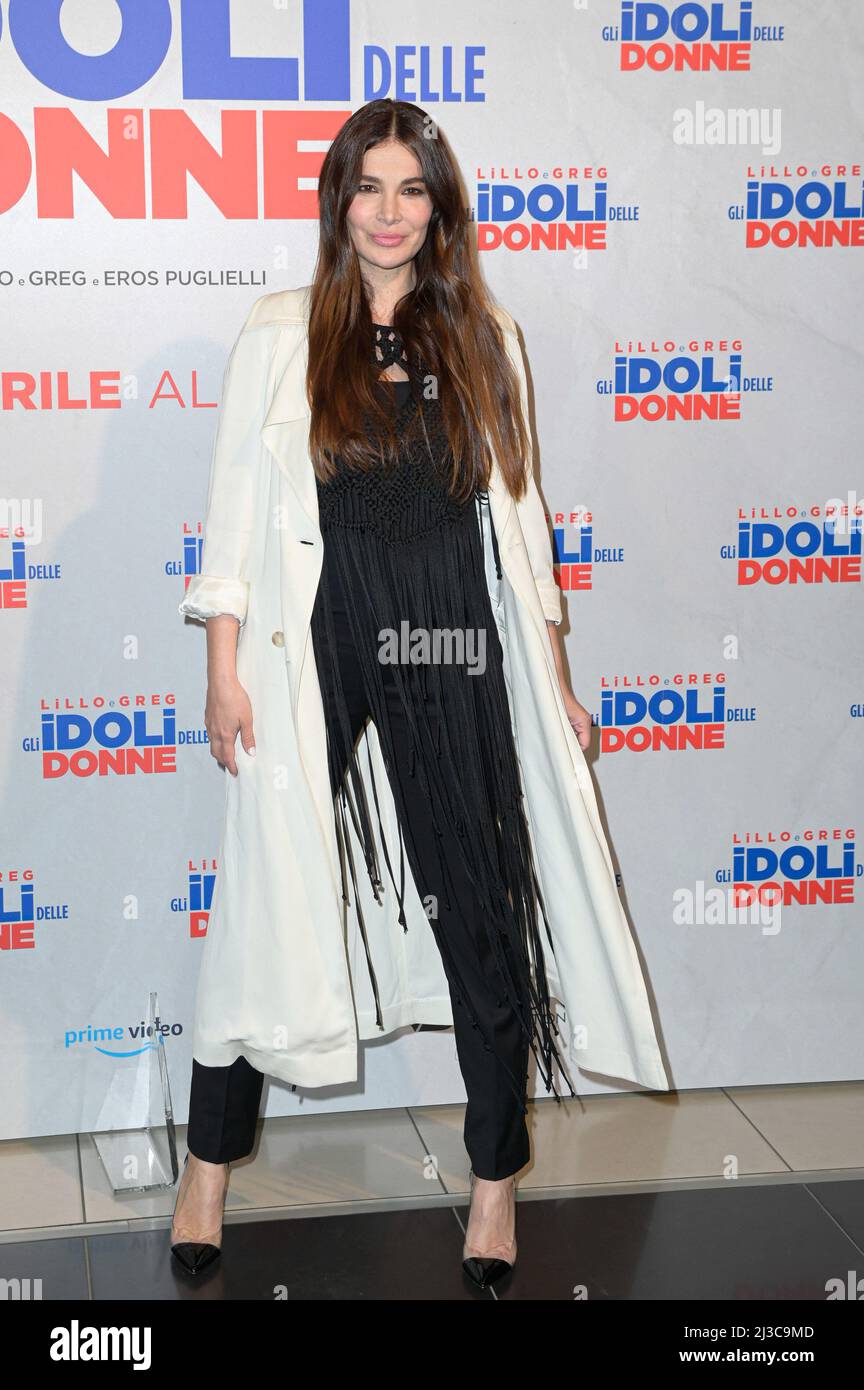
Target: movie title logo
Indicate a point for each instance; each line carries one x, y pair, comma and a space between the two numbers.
711, 37
21, 572
123, 736
794, 545
653, 713
21, 910
575, 551
194, 905
807, 867
801, 207
546, 209
192, 541
664, 379
138, 163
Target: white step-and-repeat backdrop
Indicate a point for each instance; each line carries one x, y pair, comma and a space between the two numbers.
668, 198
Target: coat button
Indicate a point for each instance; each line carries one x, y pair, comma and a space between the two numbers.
278, 639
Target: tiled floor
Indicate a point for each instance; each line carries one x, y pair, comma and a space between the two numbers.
754, 1193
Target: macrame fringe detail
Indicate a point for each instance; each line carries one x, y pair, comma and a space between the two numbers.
403, 551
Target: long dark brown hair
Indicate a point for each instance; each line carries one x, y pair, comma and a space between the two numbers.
446, 320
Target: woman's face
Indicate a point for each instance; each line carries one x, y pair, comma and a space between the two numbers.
389, 214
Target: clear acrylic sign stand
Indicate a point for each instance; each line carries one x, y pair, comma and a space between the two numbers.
141, 1160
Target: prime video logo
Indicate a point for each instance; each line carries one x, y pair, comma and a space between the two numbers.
77, 1343
143, 1032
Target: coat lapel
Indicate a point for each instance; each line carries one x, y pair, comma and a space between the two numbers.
286, 425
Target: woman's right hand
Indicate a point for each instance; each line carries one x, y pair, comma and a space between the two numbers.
228, 710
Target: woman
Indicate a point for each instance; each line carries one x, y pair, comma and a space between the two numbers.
413, 397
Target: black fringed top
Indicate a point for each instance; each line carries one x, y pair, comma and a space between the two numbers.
400, 555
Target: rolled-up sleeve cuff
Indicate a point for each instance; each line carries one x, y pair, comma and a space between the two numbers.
211, 597
550, 598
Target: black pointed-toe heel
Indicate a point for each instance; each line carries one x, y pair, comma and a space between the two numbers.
197, 1255
486, 1269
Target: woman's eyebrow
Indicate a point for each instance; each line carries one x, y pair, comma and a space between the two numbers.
373, 178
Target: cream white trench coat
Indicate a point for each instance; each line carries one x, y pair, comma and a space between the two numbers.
284, 979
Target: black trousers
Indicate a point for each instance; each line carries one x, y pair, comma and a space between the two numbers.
224, 1101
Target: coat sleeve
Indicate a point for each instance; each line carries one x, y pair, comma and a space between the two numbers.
222, 585
529, 508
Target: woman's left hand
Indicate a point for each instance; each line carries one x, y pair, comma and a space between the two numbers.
580, 719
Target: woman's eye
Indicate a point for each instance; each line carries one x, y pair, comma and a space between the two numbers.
362, 187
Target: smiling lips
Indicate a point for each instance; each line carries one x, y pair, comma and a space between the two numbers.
387, 239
